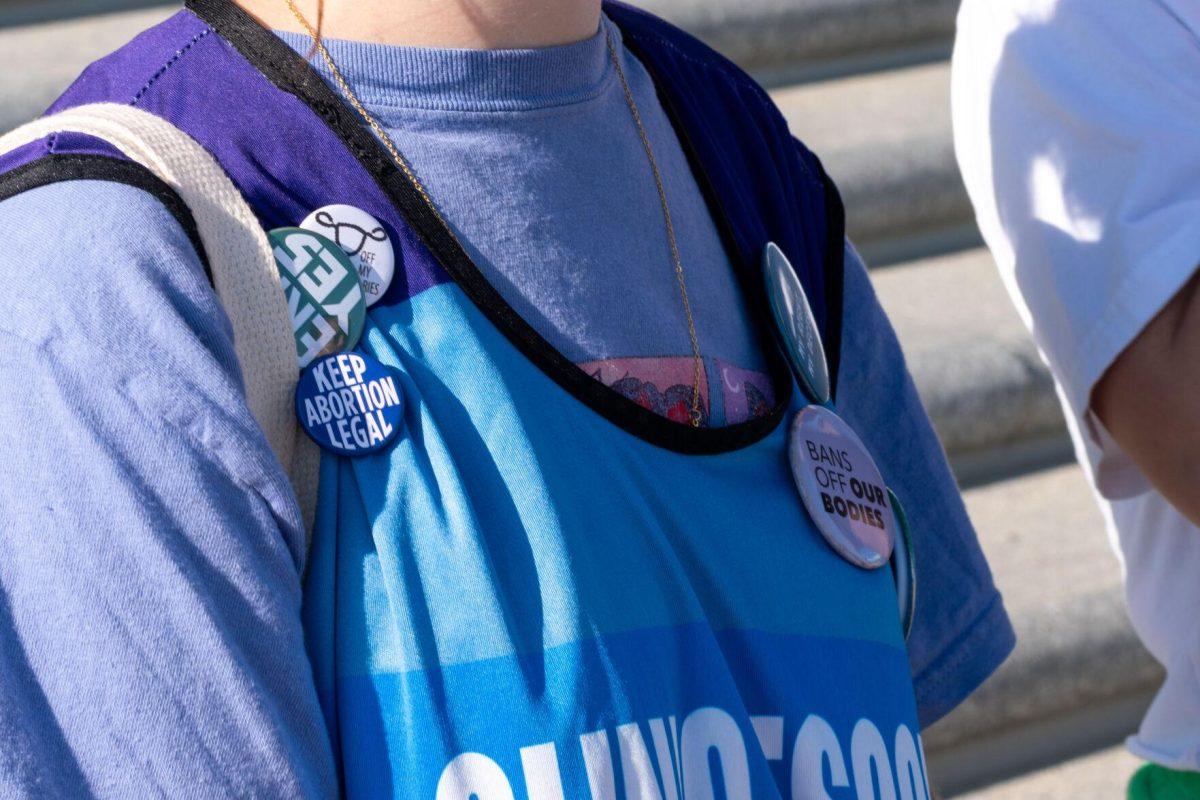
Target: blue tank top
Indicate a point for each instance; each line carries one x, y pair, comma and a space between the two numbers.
522, 599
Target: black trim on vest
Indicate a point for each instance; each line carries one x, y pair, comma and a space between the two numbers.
291, 73
835, 277
60, 167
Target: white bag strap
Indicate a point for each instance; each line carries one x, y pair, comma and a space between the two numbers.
239, 255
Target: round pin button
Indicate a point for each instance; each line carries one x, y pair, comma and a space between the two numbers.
904, 568
363, 239
322, 290
349, 404
795, 325
842, 488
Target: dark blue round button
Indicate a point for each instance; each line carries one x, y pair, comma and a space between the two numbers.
350, 404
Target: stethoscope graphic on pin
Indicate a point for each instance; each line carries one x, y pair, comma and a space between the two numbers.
326, 220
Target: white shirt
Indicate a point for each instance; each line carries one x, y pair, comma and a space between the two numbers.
1077, 128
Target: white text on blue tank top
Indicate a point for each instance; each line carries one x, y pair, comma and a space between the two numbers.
866, 766
350, 407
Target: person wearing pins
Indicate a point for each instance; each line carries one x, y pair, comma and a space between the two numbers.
618, 541
1080, 161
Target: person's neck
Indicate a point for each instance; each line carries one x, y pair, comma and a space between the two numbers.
469, 24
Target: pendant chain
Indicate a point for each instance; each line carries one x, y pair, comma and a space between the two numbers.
410, 173
697, 360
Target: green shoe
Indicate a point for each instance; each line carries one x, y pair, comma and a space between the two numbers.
1153, 782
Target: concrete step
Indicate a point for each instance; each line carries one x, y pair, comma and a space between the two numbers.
783, 41
988, 392
1097, 776
886, 139
38, 61
32, 12
1079, 679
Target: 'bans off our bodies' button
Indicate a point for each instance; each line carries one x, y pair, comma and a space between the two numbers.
350, 404
842, 488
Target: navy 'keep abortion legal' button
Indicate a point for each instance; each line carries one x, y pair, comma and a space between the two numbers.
350, 404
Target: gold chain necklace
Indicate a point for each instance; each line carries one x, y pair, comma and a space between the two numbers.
406, 168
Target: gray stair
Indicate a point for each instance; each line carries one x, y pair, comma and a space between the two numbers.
1079, 678
32, 12
38, 61
893, 161
789, 40
987, 390
1098, 776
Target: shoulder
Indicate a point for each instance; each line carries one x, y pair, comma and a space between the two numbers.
81, 179
111, 324
99, 255
84, 203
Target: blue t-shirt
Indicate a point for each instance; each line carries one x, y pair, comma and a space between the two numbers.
534, 158
482, 597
